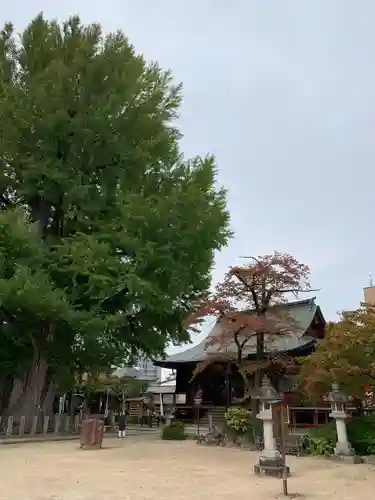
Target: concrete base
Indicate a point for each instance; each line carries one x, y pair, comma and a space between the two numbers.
349, 459
91, 446
344, 449
271, 467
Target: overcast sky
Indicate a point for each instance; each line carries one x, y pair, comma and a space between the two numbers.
283, 93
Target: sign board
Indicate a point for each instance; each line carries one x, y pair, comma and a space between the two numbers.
198, 398
168, 399
181, 399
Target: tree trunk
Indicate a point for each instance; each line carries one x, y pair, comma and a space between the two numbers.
34, 388
49, 398
3, 384
26, 397
16, 395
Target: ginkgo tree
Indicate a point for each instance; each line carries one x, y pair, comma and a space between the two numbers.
346, 355
101, 253
248, 307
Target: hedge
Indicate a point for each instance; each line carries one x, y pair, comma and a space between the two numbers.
174, 431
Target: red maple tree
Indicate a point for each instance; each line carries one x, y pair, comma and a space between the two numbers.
247, 307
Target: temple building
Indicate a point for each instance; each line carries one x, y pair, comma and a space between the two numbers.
220, 385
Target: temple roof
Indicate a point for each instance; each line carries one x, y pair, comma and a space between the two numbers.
302, 314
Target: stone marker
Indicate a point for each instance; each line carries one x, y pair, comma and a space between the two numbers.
76, 423
21, 431
34, 425
45, 424
9, 427
57, 423
66, 423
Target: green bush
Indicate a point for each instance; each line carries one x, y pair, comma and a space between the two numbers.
238, 424
238, 419
174, 431
320, 441
361, 434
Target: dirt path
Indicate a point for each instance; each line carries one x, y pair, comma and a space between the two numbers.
149, 469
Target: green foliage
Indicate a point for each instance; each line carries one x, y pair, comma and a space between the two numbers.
346, 355
124, 387
321, 440
361, 435
101, 254
174, 431
238, 419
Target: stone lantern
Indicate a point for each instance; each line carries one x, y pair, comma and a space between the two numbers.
271, 463
338, 399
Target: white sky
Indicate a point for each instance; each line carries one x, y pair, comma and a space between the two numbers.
283, 93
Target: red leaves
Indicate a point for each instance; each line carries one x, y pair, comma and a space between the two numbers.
262, 283
211, 359
204, 308
277, 362
266, 280
247, 306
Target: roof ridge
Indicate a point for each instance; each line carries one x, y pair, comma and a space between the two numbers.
299, 302
302, 302
301, 310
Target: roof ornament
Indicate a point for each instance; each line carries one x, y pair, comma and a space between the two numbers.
370, 278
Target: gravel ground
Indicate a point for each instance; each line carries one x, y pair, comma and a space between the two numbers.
145, 468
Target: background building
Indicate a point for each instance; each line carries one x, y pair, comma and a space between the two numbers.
147, 370
143, 369
369, 292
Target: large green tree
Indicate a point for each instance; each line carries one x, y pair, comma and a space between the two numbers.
107, 234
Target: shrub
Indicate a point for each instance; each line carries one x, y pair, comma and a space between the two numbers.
361, 434
238, 424
174, 431
320, 441
238, 419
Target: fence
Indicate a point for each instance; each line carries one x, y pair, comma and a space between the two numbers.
39, 425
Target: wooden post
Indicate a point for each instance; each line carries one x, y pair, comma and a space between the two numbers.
282, 450
21, 431
34, 425
9, 427
45, 424
57, 423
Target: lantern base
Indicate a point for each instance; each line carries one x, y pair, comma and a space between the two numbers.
350, 459
271, 467
344, 450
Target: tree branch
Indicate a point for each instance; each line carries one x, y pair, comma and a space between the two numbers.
249, 288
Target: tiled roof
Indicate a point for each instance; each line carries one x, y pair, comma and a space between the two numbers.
301, 313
